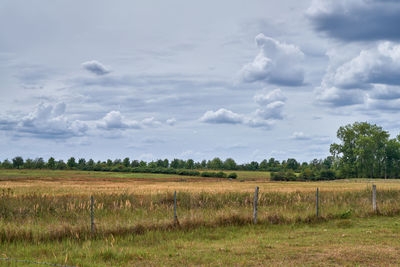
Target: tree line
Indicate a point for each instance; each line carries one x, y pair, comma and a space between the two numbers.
120, 164
365, 150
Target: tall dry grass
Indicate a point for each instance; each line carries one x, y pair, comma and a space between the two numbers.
37, 217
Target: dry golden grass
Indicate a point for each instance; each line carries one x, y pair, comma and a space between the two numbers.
76, 182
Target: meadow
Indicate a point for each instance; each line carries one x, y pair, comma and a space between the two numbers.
45, 216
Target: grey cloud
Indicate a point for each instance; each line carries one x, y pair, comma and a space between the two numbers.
31, 74
171, 121
165, 81
7, 124
355, 20
384, 105
336, 97
385, 92
276, 63
95, 67
313, 139
300, 136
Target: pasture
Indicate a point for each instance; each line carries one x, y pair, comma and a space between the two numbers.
45, 216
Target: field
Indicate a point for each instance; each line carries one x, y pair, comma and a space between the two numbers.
45, 217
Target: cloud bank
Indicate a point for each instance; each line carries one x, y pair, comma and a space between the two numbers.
356, 20
372, 76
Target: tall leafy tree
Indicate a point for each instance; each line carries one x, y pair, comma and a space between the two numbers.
18, 162
362, 151
51, 163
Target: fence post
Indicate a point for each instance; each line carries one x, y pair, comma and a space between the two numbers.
91, 221
255, 205
175, 217
374, 197
317, 201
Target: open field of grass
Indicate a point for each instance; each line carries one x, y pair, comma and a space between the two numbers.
86, 183
45, 216
342, 242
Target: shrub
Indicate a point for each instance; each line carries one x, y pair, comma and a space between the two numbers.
232, 175
213, 174
327, 175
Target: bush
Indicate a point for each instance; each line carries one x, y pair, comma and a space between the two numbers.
213, 174
285, 176
327, 175
188, 172
278, 176
232, 175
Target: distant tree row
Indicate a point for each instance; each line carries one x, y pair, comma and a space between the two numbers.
365, 150
214, 164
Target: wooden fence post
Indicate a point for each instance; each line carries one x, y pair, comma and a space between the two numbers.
374, 197
175, 217
317, 201
91, 221
255, 205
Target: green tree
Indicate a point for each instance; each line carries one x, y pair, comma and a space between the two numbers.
362, 151
292, 164
216, 164
90, 165
230, 164
51, 163
18, 162
82, 163
6, 164
39, 163
71, 163
189, 164
29, 164
60, 165
126, 162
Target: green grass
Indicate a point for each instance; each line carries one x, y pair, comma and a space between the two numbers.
351, 242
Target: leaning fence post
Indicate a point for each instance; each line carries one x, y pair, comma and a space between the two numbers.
175, 217
317, 201
91, 221
255, 205
374, 197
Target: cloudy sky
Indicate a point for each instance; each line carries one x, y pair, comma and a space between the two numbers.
194, 79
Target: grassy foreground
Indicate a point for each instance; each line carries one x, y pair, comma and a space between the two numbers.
370, 241
45, 216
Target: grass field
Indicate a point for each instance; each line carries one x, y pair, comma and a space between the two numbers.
45, 216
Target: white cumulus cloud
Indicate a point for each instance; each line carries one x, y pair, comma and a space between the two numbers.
271, 105
222, 116
374, 73
114, 120
276, 63
47, 121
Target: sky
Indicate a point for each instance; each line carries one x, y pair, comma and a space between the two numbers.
183, 79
